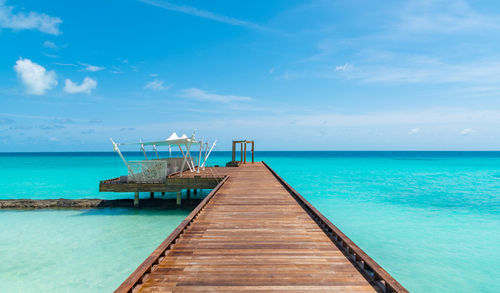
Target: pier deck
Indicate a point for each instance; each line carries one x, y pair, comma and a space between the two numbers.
253, 232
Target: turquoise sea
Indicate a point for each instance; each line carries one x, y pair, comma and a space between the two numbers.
431, 219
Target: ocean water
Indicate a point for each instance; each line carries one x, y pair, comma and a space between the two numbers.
431, 219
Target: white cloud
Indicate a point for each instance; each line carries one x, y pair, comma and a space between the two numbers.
91, 68
345, 67
403, 68
153, 74
204, 14
198, 94
31, 21
414, 131
35, 77
87, 86
66, 64
49, 44
291, 75
466, 131
157, 85
442, 16
50, 55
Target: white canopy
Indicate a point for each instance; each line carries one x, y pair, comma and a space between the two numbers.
173, 139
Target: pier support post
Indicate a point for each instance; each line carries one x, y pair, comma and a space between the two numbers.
245, 155
136, 199
163, 193
241, 152
252, 151
188, 193
234, 151
195, 191
152, 195
179, 198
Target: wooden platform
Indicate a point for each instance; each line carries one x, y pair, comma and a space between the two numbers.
255, 233
205, 179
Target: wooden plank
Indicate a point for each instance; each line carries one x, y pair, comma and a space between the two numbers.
146, 266
362, 260
255, 233
206, 179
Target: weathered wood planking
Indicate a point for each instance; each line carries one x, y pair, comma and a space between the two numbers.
206, 179
255, 233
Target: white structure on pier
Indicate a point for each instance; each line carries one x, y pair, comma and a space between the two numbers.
195, 154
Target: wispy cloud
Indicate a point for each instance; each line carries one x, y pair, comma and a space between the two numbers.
443, 16
31, 21
466, 131
6, 121
345, 67
63, 121
86, 86
51, 45
115, 70
413, 70
65, 64
157, 85
290, 75
95, 120
91, 68
205, 14
50, 55
198, 94
414, 131
35, 77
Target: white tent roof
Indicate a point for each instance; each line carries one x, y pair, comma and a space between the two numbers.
173, 139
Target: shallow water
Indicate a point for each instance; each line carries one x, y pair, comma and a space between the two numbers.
429, 218
78, 250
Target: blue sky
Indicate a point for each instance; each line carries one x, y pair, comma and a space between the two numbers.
296, 75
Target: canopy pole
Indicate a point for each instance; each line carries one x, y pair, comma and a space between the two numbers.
154, 148
188, 153
144, 151
199, 157
206, 157
189, 158
205, 154
117, 149
184, 161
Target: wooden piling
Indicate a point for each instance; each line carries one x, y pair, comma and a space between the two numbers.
245, 154
152, 195
252, 152
136, 199
188, 194
234, 151
179, 198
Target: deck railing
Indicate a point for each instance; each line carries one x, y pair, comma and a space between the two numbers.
364, 263
142, 272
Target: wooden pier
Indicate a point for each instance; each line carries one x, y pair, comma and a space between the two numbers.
254, 232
